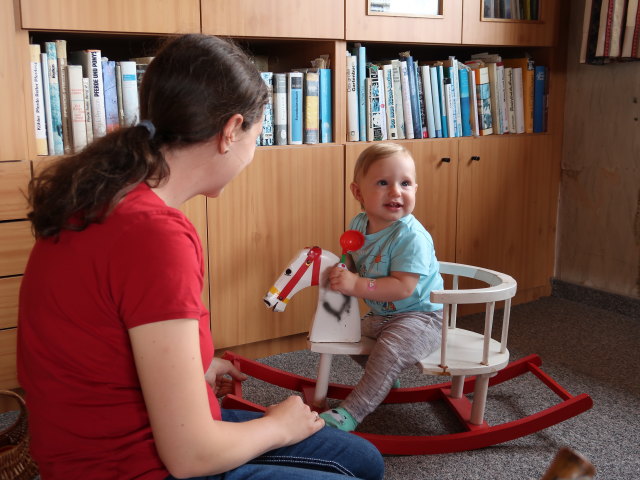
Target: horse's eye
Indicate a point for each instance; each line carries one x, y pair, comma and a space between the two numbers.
287, 272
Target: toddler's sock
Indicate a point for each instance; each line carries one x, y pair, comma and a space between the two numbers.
340, 419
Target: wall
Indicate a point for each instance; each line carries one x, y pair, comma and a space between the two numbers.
599, 215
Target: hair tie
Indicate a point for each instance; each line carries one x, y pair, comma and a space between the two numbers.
148, 124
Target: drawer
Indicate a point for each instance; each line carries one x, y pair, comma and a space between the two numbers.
14, 179
8, 375
16, 242
9, 290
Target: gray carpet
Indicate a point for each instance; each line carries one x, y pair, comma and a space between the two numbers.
586, 349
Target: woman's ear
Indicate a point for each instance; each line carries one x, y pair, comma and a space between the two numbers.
229, 132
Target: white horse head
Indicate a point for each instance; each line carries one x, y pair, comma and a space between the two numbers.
337, 317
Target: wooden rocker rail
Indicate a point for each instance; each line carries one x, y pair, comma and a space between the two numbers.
476, 436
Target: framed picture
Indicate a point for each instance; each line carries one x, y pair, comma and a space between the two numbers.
405, 8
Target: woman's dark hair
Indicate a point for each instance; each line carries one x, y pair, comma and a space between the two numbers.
190, 90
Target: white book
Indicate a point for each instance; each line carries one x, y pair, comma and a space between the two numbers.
67, 129
437, 114
397, 98
75, 91
508, 98
295, 123
88, 122
119, 94
353, 121
456, 92
130, 99
392, 126
44, 63
450, 103
504, 112
37, 93
406, 101
518, 99
428, 100
474, 103
280, 108
93, 70
383, 104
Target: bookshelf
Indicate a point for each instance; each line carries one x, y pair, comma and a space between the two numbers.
295, 196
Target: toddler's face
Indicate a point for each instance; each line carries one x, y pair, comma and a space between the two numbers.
387, 191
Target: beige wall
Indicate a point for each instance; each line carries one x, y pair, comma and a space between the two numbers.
599, 216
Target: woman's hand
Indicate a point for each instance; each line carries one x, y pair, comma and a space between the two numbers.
295, 419
343, 281
218, 373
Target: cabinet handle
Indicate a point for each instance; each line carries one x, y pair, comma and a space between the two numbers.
445, 160
475, 158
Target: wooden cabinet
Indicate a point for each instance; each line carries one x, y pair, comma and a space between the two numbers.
288, 199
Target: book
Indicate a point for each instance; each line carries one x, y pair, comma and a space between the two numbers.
110, 94
119, 94
76, 107
453, 63
502, 101
428, 100
423, 112
539, 89
311, 107
61, 58
406, 101
130, 97
441, 100
295, 111
326, 118
353, 117
473, 100
413, 95
92, 69
437, 116
518, 99
465, 107
266, 136
483, 97
508, 97
375, 126
88, 122
54, 97
360, 53
46, 95
37, 93
141, 66
526, 64
280, 108
450, 106
397, 98
392, 126
631, 33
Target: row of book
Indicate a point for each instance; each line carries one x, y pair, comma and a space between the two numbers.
299, 106
406, 99
512, 9
80, 96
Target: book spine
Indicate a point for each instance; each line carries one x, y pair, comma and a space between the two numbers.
266, 136
449, 95
44, 64
67, 131
94, 69
423, 111
428, 101
280, 108
39, 116
538, 104
375, 113
76, 107
473, 103
353, 117
456, 91
406, 101
508, 98
501, 99
311, 108
54, 97
443, 106
495, 106
485, 112
110, 95
119, 94
295, 111
413, 98
519, 100
326, 119
392, 127
88, 121
528, 79
130, 99
383, 104
435, 96
361, 75
397, 98
465, 107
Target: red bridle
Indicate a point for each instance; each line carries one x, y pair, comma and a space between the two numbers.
313, 254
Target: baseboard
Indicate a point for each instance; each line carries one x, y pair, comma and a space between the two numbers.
622, 304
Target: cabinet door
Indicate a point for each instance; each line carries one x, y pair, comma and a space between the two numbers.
362, 26
507, 208
8, 375
14, 62
274, 18
14, 179
479, 30
139, 16
437, 189
287, 199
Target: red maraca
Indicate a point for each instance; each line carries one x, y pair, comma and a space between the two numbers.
350, 241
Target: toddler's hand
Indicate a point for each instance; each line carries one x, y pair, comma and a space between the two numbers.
342, 280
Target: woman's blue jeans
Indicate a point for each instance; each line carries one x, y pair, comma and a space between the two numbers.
329, 454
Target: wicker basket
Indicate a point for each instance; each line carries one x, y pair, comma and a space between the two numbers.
15, 460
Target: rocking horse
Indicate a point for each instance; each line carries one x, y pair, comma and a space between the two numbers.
472, 360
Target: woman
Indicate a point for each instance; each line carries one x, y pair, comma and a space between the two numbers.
114, 347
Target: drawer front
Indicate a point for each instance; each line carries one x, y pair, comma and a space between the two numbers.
8, 376
14, 179
9, 289
16, 242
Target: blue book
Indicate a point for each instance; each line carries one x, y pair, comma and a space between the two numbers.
360, 53
295, 103
54, 97
435, 99
326, 121
413, 98
465, 106
443, 105
110, 94
539, 90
